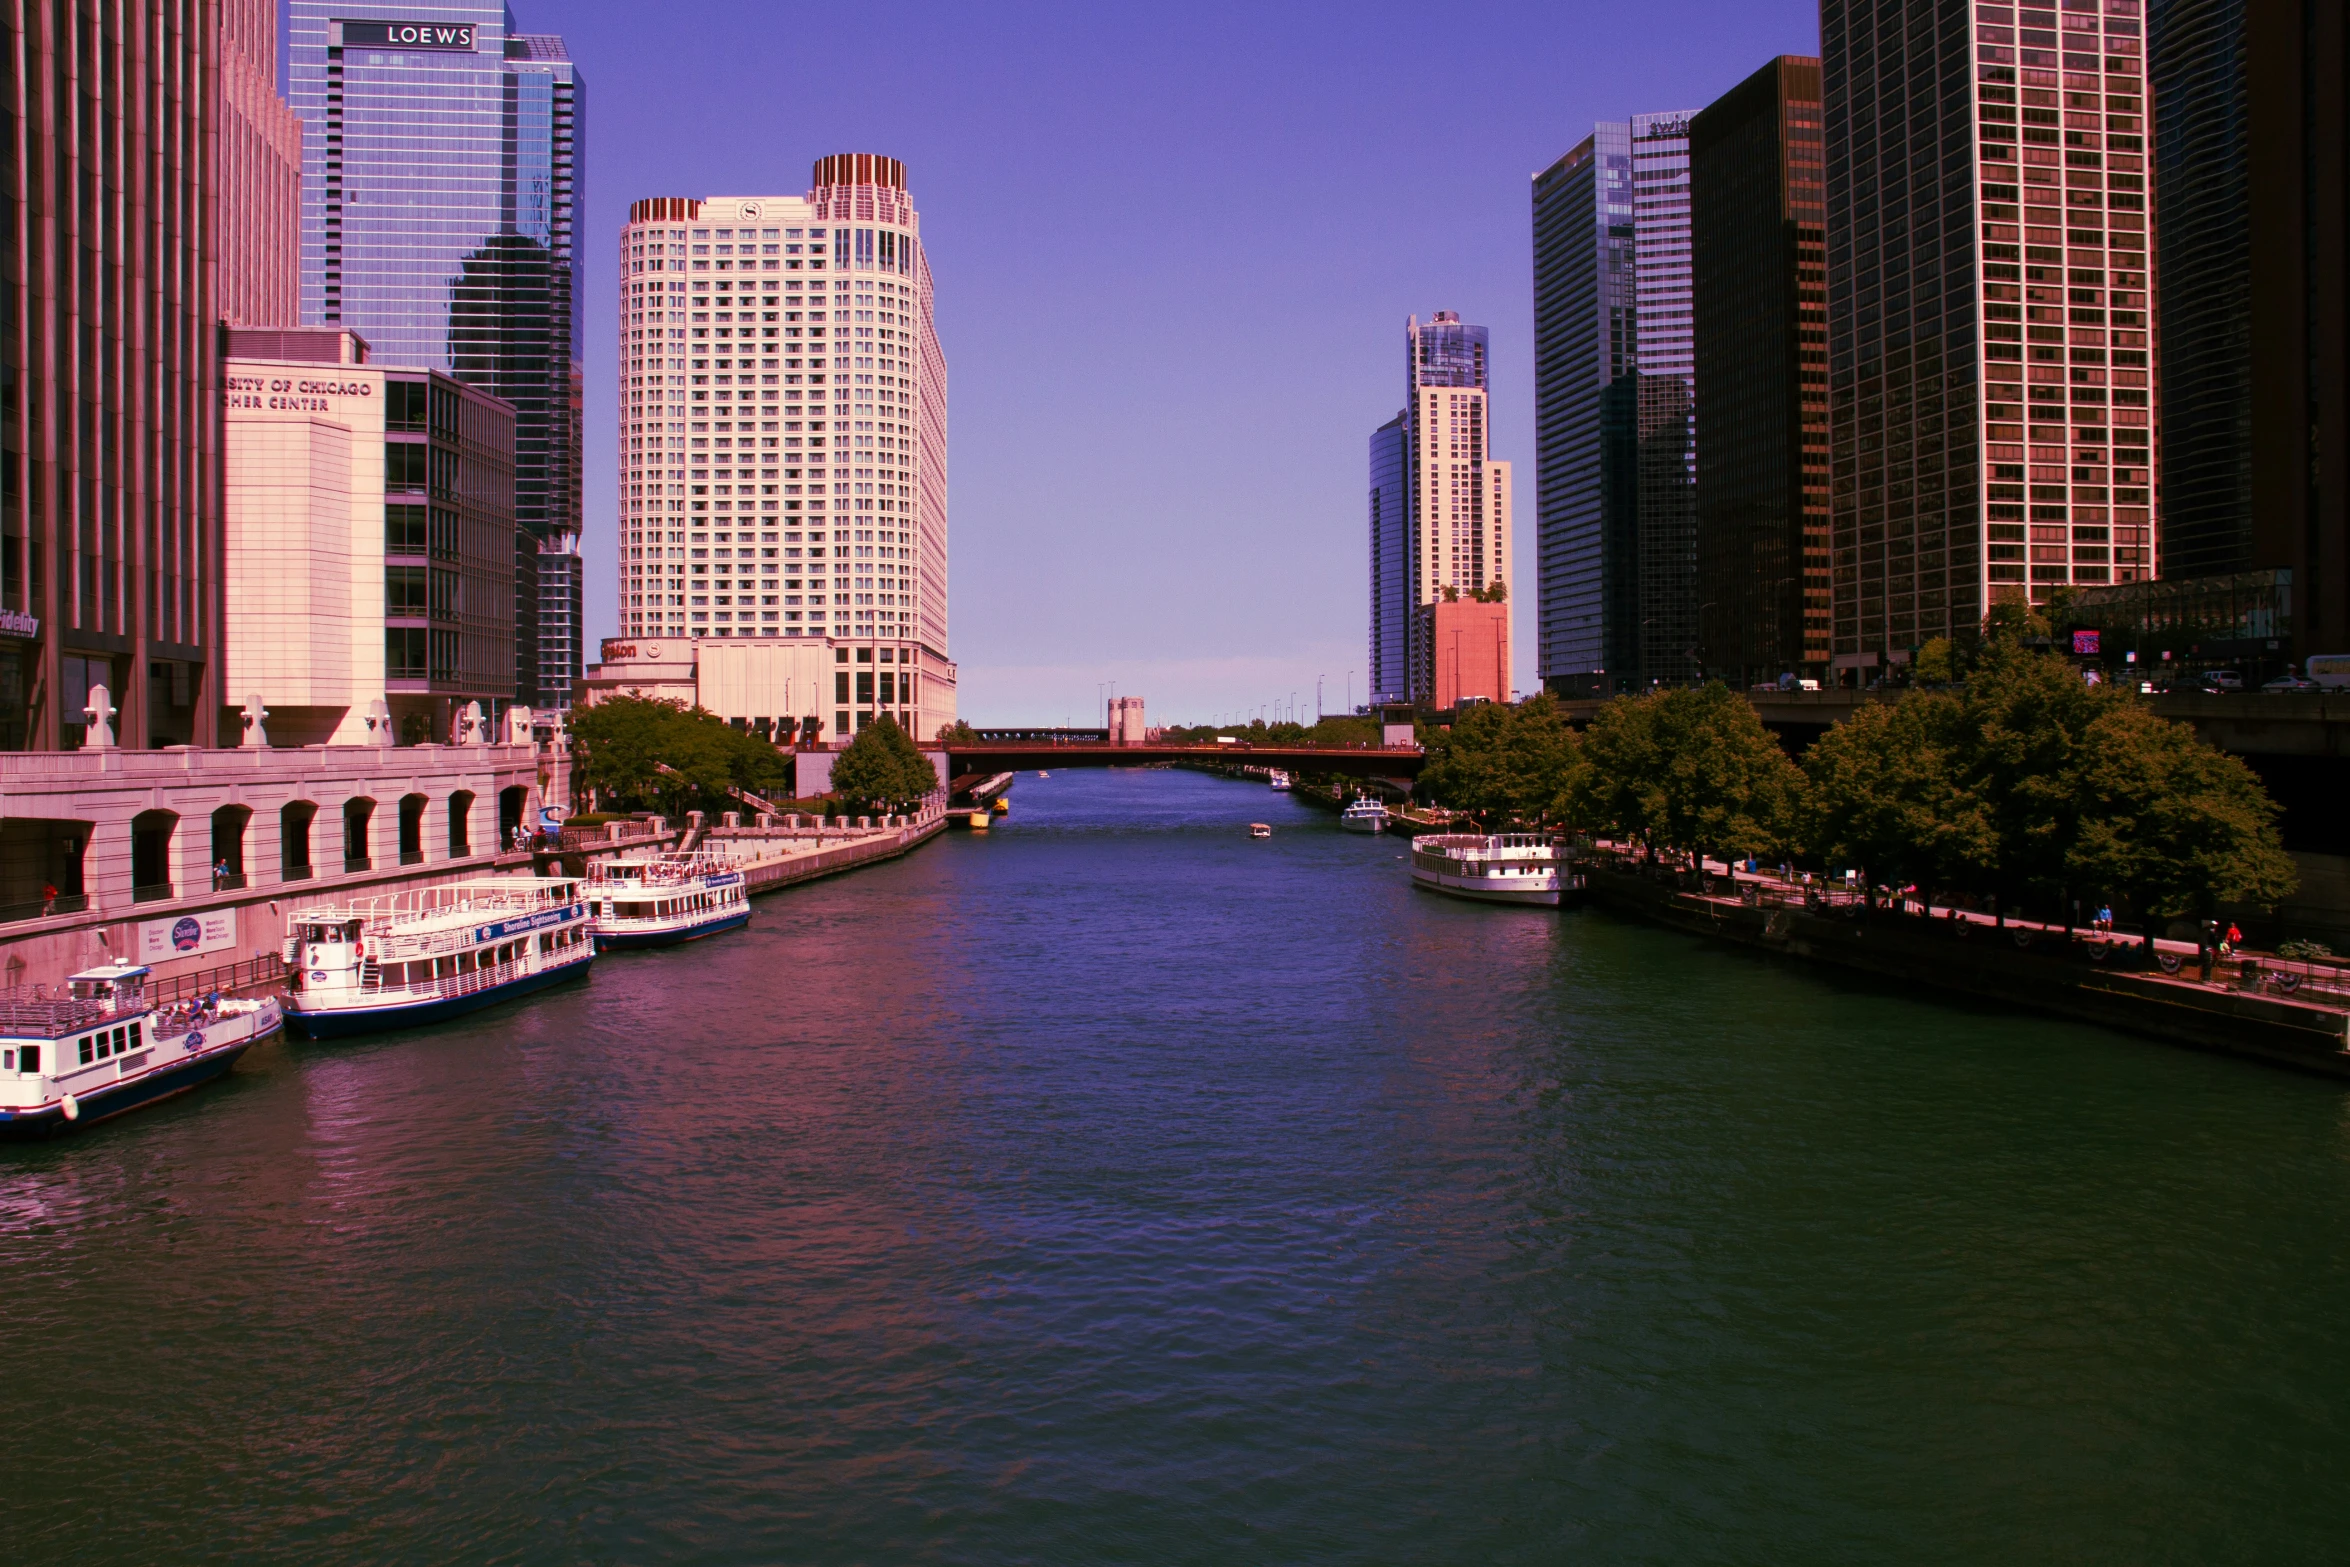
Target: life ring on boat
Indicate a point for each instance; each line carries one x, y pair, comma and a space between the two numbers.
2168, 962
73, 1108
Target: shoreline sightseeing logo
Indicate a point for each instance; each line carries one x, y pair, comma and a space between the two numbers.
187, 934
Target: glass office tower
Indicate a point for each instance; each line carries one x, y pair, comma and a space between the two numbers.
1664, 408
1391, 553
1584, 343
1758, 224
440, 169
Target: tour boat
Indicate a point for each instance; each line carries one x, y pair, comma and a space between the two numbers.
101, 1048
1260, 829
1279, 780
1364, 815
665, 899
434, 952
1504, 868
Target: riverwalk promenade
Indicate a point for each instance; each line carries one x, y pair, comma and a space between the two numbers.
2295, 1014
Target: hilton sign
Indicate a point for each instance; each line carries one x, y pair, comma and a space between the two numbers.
401, 35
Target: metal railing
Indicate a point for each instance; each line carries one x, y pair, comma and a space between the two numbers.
153, 892
356, 863
228, 979
233, 881
43, 908
411, 856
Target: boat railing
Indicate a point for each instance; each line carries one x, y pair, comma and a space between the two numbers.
472, 980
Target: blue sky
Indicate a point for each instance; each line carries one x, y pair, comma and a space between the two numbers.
1175, 248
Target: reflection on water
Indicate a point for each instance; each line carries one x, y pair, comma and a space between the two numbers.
1114, 1187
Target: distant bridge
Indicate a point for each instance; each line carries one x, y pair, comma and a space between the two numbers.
1046, 749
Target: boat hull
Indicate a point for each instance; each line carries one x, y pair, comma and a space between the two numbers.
106, 1103
349, 1022
1365, 824
619, 941
1483, 889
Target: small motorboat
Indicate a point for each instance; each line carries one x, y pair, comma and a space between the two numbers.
1364, 815
1260, 829
1041, 773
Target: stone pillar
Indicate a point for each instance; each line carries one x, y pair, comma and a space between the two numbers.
265, 847
191, 855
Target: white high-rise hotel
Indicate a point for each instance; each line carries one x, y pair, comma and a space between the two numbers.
783, 441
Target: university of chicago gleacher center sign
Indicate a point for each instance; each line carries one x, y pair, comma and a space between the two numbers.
401, 35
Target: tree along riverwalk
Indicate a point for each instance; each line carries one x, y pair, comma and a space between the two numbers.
2294, 1014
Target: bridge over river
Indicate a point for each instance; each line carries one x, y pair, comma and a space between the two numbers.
1012, 751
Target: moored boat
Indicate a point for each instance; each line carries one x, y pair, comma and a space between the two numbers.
1364, 815
1279, 780
432, 953
1500, 868
1260, 829
661, 900
101, 1048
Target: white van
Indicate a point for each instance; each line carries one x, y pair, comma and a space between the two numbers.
2331, 671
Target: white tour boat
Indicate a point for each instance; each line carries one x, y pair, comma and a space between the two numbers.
1364, 815
664, 899
101, 1048
1503, 868
433, 953
1279, 780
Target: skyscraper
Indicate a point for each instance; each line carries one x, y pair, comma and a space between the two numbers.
1758, 231
2249, 109
1391, 565
1614, 387
783, 416
1440, 517
1664, 405
461, 260
1991, 376
148, 162
1584, 343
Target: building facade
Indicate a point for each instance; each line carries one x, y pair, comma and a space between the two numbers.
1469, 650
462, 261
1587, 572
783, 418
370, 518
1434, 463
1758, 229
1663, 405
806, 692
1991, 368
261, 169
139, 128
1391, 555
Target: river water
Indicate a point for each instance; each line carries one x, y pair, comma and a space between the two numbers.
1114, 1188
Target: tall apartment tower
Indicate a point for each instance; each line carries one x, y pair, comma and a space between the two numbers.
1615, 389
1758, 223
783, 416
149, 162
1991, 369
460, 259
1440, 523
2249, 130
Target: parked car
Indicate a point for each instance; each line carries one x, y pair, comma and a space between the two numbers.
2221, 682
2284, 684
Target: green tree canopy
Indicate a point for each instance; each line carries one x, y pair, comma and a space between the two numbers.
1692, 770
882, 769
615, 744
1502, 762
2170, 824
1884, 795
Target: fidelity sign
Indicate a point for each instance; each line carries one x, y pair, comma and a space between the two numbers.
401, 35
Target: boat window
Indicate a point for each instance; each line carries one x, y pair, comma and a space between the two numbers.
29, 1059
85, 1045
7, 1060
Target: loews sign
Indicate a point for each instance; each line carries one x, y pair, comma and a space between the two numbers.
401, 35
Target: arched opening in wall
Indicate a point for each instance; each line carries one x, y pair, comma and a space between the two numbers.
293, 829
412, 828
41, 867
151, 855
357, 813
461, 824
228, 847
510, 804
